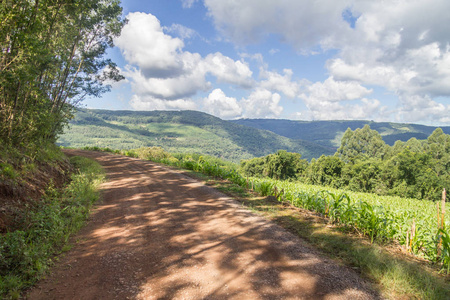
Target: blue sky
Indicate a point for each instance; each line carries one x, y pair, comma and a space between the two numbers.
290, 59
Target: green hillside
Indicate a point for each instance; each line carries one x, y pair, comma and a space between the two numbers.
179, 131
329, 133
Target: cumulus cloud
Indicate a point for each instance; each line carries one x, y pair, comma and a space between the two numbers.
416, 108
160, 70
182, 31
330, 99
144, 43
395, 46
227, 70
302, 23
334, 91
190, 80
262, 103
363, 109
150, 103
218, 104
281, 83
402, 46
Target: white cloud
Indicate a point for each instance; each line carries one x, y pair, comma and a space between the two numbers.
334, 91
151, 103
229, 71
302, 23
281, 83
274, 51
188, 3
365, 109
416, 108
182, 31
188, 83
328, 100
218, 104
159, 68
144, 43
262, 103
402, 46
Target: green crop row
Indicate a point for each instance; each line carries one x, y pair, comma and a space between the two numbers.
410, 222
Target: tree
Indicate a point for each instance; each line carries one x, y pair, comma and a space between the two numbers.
415, 175
326, 170
363, 176
52, 56
252, 167
283, 165
438, 144
361, 144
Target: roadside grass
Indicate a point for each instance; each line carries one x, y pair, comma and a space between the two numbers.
394, 274
18, 163
44, 228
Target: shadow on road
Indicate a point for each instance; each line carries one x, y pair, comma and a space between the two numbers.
160, 235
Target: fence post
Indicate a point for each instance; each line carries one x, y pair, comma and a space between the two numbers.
444, 194
441, 220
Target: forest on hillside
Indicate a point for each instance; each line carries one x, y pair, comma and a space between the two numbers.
179, 131
329, 133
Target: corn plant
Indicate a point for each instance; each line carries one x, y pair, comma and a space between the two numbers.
444, 257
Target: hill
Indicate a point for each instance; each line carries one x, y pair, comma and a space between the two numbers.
329, 133
180, 131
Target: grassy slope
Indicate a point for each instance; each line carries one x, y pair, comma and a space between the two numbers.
185, 131
329, 133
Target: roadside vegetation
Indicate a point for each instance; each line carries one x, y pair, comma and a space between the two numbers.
401, 244
39, 229
52, 55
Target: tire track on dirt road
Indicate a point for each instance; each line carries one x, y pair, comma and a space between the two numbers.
158, 234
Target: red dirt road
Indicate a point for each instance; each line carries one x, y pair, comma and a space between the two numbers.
158, 234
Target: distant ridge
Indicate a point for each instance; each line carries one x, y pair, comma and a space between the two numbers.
180, 131
329, 133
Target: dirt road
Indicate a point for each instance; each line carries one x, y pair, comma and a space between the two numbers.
158, 234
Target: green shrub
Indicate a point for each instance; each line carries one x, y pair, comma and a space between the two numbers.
7, 171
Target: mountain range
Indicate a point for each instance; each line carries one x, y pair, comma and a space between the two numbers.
198, 132
179, 131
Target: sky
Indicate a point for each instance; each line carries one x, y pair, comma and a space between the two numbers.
381, 60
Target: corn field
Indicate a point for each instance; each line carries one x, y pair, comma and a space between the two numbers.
417, 225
